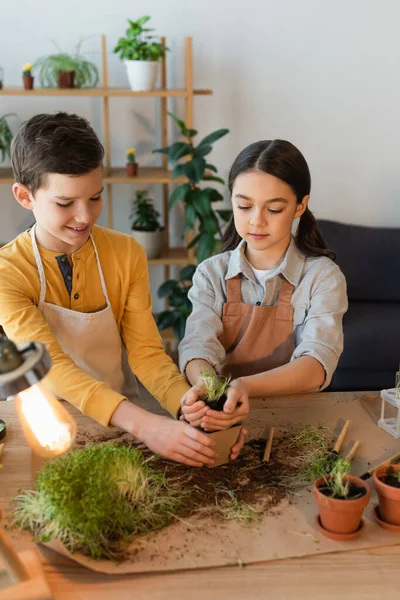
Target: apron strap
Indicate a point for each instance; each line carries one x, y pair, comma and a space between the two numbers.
285, 294
233, 292
39, 265
103, 283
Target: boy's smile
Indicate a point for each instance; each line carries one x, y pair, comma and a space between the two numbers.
65, 209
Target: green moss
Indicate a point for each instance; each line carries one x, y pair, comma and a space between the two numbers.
96, 500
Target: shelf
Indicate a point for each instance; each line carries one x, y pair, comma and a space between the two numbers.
172, 256
101, 92
6, 175
145, 175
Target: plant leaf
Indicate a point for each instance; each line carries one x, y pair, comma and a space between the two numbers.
194, 169
205, 247
165, 319
180, 123
213, 137
179, 149
179, 194
187, 272
212, 178
167, 287
225, 215
202, 202
190, 215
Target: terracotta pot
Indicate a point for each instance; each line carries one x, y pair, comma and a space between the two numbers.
341, 516
389, 496
131, 169
66, 79
224, 440
28, 82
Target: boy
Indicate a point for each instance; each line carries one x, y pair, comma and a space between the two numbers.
83, 291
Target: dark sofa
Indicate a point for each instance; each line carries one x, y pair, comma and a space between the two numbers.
370, 260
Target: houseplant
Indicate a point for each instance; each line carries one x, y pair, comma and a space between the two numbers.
341, 499
1, 78
140, 53
387, 484
6, 135
96, 500
146, 228
176, 292
27, 76
198, 201
216, 389
131, 164
65, 70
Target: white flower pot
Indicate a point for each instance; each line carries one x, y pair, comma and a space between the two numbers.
142, 74
151, 241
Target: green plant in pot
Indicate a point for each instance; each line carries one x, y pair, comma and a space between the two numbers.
341, 499
387, 485
198, 200
140, 52
176, 292
146, 228
65, 70
6, 136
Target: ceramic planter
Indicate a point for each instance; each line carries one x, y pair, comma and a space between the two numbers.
341, 519
131, 169
28, 82
152, 241
389, 497
142, 74
66, 79
224, 440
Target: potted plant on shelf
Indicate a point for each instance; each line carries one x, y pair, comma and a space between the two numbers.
198, 201
387, 484
6, 136
66, 70
216, 389
131, 164
341, 499
141, 54
176, 292
146, 228
1, 78
27, 76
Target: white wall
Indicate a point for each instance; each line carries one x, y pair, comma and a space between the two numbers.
324, 75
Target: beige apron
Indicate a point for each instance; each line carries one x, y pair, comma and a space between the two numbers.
256, 338
92, 340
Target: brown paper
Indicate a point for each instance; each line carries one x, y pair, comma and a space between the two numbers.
225, 440
289, 530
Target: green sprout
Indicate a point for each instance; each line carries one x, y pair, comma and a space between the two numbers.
315, 459
96, 500
214, 387
337, 482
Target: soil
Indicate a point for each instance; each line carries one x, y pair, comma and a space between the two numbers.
217, 404
354, 492
391, 480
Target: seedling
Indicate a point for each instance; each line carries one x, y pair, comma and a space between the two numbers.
215, 388
337, 483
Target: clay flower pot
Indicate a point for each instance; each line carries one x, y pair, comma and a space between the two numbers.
28, 82
131, 169
341, 518
66, 79
389, 496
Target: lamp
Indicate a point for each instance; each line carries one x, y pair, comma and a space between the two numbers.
49, 430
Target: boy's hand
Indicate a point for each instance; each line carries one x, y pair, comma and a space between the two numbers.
235, 411
179, 441
239, 444
193, 408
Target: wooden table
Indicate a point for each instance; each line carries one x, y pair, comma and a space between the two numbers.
367, 574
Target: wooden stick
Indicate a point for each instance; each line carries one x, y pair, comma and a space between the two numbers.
2, 446
342, 435
268, 447
393, 460
14, 565
353, 450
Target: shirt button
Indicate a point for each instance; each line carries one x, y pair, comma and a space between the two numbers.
69, 277
76, 296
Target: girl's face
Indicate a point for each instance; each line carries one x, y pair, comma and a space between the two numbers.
263, 209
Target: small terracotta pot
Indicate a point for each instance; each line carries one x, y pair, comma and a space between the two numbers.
28, 82
131, 169
66, 79
337, 515
389, 496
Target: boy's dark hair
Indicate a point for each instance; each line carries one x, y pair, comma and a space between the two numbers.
60, 143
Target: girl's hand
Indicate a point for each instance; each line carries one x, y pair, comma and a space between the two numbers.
193, 408
235, 411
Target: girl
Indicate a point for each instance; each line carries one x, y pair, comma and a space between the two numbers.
268, 310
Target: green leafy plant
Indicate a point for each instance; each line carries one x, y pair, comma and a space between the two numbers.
215, 388
198, 201
138, 44
144, 214
5, 136
48, 68
336, 482
96, 500
176, 292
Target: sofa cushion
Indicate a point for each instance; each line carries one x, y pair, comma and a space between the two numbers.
369, 258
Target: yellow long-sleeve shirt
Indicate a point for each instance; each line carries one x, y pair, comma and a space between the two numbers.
125, 271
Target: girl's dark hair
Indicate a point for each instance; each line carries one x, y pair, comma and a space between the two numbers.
284, 161
59, 143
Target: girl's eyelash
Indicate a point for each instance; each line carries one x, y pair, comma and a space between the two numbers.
274, 212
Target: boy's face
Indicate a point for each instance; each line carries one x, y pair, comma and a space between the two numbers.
65, 209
